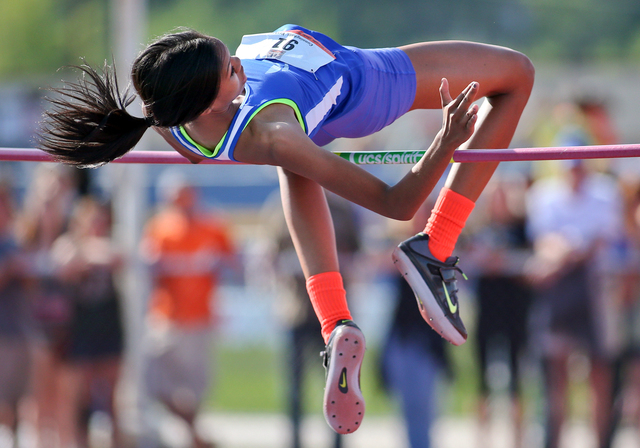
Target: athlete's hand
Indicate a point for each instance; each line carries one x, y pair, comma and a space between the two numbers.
459, 115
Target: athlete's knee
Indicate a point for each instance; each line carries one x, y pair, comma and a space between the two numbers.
526, 70
521, 71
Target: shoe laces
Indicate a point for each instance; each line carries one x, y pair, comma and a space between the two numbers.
448, 275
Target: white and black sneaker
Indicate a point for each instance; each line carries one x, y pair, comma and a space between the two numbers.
434, 285
343, 402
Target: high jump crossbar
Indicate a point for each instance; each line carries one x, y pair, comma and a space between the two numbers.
375, 157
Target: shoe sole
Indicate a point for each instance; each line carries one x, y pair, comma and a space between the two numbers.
427, 303
343, 402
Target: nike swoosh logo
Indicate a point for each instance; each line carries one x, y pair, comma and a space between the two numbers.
452, 308
342, 385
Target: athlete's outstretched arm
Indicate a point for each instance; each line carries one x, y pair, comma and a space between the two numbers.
288, 147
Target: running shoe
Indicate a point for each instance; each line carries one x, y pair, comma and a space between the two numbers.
343, 402
434, 285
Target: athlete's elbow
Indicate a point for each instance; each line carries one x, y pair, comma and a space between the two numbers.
403, 216
399, 212
390, 205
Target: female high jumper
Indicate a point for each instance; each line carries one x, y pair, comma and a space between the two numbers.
276, 102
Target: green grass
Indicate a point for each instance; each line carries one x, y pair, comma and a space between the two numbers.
253, 379
245, 380
462, 395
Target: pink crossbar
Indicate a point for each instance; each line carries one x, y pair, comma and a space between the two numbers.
550, 153
156, 157
470, 155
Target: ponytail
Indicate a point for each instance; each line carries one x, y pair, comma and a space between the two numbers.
88, 124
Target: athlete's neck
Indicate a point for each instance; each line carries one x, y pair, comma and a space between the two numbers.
212, 124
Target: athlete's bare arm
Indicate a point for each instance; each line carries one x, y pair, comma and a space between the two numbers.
276, 138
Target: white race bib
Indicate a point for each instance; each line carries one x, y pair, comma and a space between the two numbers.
291, 47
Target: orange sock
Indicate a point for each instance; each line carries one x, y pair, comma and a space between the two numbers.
447, 220
329, 300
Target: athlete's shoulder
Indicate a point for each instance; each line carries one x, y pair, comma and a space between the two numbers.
275, 127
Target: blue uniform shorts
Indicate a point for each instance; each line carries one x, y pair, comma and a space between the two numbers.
383, 89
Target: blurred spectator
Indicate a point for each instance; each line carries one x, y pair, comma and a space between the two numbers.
584, 121
14, 349
624, 273
304, 341
414, 356
186, 250
498, 251
597, 121
87, 261
43, 219
573, 219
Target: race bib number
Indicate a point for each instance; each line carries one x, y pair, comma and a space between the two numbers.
291, 47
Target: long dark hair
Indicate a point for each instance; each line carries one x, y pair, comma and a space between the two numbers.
177, 77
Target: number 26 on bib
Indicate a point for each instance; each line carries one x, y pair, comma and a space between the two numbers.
291, 47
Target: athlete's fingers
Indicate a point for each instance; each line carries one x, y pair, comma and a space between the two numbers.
472, 115
445, 96
466, 96
471, 124
472, 91
462, 110
469, 93
473, 110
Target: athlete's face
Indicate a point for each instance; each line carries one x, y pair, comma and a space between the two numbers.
232, 80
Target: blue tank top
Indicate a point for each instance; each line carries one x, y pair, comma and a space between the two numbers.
318, 92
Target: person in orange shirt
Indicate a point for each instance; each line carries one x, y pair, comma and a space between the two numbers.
185, 249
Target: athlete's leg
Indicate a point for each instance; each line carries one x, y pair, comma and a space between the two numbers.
505, 79
309, 221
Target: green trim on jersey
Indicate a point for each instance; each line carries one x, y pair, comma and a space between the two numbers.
212, 154
286, 101
205, 151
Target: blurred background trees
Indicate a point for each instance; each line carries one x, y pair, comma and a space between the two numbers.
39, 36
